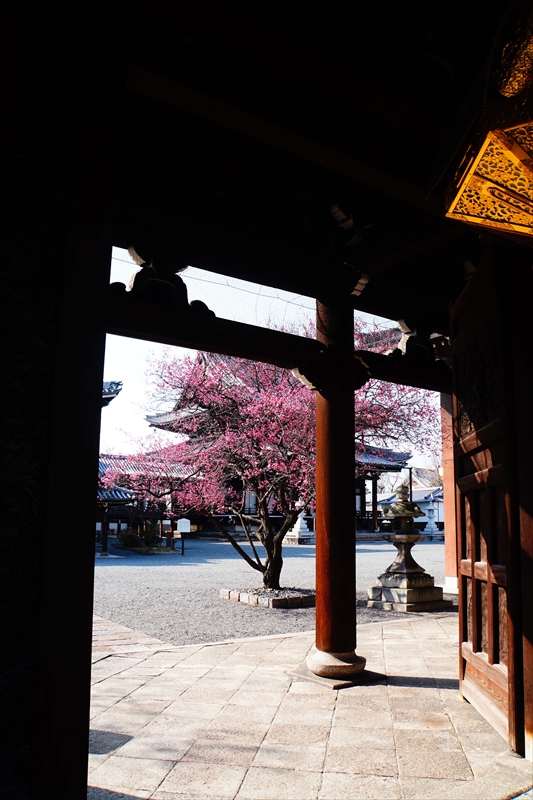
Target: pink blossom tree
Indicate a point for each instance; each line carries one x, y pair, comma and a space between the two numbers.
247, 428
154, 475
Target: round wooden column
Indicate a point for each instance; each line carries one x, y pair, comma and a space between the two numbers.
334, 654
105, 532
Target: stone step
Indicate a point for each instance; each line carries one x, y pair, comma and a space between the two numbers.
424, 594
437, 605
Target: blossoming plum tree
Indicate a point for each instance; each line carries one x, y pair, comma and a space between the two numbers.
246, 427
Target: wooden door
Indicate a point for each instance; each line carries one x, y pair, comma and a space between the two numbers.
487, 497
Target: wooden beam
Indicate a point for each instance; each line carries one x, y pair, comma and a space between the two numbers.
128, 316
184, 96
417, 248
131, 317
283, 54
436, 377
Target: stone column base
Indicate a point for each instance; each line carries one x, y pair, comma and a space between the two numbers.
334, 665
434, 536
450, 585
300, 537
397, 591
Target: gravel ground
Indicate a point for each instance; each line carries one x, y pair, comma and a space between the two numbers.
176, 598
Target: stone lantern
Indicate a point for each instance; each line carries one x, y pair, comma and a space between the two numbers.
430, 511
405, 585
431, 529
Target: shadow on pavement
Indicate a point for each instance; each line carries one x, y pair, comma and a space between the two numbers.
429, 683
103, 742
108, 794
196, 552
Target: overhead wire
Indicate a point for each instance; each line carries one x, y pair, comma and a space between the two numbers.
232, 286
257, 294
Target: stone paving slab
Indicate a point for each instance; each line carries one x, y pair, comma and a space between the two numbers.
232, 720
110, 637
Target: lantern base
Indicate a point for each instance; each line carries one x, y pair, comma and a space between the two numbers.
396, 591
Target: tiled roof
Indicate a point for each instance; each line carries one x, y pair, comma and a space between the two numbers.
426, 478
381, 458
129, 465
419, 496
168, 419
110, 389
114, 494
230, 377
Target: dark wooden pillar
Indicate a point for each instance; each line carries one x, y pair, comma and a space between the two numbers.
515, 264
448, 480
375, 502
105, 531
170, 534
335, 492
57, 187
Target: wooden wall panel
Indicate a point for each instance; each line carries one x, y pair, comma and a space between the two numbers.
493, 432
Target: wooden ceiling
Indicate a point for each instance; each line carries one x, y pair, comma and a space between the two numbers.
304, 148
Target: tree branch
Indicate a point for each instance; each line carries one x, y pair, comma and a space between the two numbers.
242, 518
259, 567
287, 524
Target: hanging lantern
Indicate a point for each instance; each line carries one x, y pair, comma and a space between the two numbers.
493, 185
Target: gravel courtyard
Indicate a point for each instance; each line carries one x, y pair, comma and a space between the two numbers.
176, 598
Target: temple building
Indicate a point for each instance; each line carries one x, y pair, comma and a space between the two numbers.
110, 390
370, 464
371, 159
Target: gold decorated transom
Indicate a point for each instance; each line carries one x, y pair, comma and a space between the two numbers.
496, 190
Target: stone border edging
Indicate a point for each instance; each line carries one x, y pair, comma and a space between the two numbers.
265, 601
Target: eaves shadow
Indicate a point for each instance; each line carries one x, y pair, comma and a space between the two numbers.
104, 742
94, 793
192, 556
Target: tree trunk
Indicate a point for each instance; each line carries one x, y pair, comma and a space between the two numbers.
274, 544
273, 569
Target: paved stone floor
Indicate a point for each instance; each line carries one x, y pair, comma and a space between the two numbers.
225, 721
